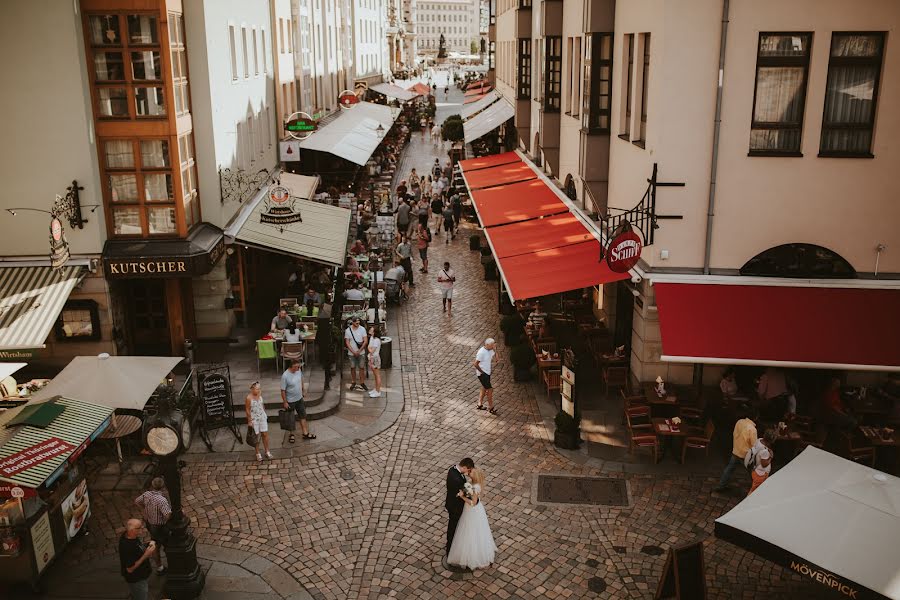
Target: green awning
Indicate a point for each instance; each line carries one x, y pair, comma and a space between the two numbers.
38, 415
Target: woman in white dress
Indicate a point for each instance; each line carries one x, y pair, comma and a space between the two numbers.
473, 543
255, 410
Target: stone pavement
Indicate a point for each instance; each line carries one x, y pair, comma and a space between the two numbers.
367, 520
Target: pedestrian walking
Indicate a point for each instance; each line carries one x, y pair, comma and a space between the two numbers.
325, 341
427, 183
437, 208
483, 359
423, 239
134, 559
446, 279
423, 124
403, 217
355, 341
255, 409
374, 348
436, 169
744, 438
436, 137
761, 456
447, 215
292, 398
156, 511
423, 209
404, 253
456, 206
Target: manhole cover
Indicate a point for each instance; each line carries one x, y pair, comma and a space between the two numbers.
592, 563
564, 489
410, 368
596, 585
347, 474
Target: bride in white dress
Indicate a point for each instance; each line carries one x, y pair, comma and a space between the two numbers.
473, 543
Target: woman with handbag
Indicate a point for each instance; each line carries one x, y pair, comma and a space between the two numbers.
257, 421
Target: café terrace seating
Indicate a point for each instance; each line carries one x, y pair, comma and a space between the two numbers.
699, 442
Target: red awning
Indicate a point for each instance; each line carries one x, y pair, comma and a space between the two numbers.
475, 84
539, 234
471, 99
480, 90
491, 160
517, 202
815, 327
499, 175
555, 271
420, 88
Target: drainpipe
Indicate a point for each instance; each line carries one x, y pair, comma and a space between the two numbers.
717, 123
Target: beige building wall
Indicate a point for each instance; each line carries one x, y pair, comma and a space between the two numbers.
570, 113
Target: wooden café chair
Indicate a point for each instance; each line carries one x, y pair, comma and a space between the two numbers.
638, 417
551, 380
642, 436
857, 452
692, 417
614, 377
292, 351
699, 442
265, 350
629, 398
541, 345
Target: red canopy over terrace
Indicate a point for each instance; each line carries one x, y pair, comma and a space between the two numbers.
420, 88
492, 160
499, 175
506, 204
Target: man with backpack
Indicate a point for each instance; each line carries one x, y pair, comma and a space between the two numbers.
424, 238
744, 437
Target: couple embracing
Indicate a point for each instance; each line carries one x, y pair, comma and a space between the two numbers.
470, 542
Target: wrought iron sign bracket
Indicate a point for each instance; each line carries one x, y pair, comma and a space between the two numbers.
643, 216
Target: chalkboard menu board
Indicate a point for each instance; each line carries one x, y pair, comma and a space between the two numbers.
684, 575
215, 398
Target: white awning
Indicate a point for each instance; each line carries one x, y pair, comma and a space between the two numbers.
468, 110
7, 369
31, 299
487, 120
319, 233
829, 520
353, 134
393, 91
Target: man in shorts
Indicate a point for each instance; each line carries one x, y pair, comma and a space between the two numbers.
483, 359
355, 341
292, 397
446, 279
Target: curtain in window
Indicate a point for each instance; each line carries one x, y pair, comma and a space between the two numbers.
849, 100
779, 99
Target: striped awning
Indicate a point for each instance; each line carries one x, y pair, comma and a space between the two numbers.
31, 299
79, 424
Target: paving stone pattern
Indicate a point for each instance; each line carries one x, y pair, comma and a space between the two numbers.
380, 534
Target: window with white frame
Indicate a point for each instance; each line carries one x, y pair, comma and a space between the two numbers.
233, 47
246, 54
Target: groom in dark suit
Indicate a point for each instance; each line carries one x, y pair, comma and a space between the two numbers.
454, 504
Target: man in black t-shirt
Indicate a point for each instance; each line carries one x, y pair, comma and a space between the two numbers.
134, 558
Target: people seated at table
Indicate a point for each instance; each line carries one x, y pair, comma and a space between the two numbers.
281, 321
313, 296
358, 248
370, 315
308, 310
537, 316
773, 392
833, 409
728, 384
292, 333
354, 294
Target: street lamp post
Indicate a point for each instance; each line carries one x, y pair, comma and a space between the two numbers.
164, 435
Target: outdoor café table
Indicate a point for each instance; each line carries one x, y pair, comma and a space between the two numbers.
669, 432
549, 362
119, 427
661, 407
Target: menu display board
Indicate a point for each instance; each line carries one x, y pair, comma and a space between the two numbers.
42, 542
215, 395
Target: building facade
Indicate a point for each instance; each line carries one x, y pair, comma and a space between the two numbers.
459, 21
371, 62
170, 110
605, 91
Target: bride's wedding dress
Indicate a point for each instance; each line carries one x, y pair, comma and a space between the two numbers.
473, 543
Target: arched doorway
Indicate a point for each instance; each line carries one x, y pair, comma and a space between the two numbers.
569, 188
799, 260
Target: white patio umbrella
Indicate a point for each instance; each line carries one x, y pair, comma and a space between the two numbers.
830, 520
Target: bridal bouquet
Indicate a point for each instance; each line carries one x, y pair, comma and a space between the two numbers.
468, 490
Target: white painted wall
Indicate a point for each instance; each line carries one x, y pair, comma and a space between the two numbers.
570, 121
48, 126
369, 47
228, 113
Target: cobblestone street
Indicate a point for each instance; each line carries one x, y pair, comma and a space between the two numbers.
367, 521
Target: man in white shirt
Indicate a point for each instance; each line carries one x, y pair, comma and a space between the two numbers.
483, 359
355, 340
354, 294
446, 279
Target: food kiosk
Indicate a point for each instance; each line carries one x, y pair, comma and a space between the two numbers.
44, 499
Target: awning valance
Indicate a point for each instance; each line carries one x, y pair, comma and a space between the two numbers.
488, 119
31, 299
26, 463
311, 230
540, 244
470, 109
476, 91
353, 134
394, 91
830, 521
780, 325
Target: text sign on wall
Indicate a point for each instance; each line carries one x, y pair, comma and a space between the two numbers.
33, 455
624, 252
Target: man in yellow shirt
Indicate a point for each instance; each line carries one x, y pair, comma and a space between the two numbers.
744, 438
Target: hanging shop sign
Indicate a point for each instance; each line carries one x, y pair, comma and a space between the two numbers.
624, 250
300, 125
140, 259
59, 247
279, 207
289, 151
348, 98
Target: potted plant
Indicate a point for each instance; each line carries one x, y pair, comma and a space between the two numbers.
568, 431
522, 358
512, 327
474, 242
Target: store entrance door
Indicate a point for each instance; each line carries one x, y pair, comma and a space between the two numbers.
624, 316
148, 317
